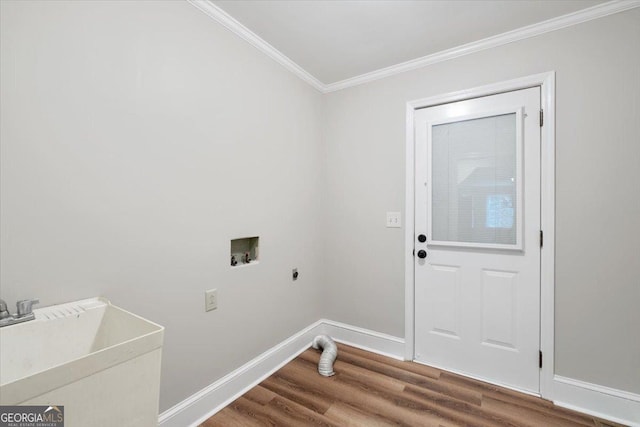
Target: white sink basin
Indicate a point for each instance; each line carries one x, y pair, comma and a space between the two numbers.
69, 348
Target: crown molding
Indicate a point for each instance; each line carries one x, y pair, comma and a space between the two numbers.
230, 23
533, 30
595, 12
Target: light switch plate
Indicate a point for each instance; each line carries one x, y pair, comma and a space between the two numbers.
394, 220
210, 299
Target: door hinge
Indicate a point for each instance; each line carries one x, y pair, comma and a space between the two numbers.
541, 238
540, 359
541, 118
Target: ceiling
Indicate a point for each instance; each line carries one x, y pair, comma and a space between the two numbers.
339, 40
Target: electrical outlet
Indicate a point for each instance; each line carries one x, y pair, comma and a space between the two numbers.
210, 299
393, 220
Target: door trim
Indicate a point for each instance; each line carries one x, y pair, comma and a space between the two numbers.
546, 81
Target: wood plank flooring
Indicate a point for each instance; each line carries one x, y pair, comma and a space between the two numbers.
370, 390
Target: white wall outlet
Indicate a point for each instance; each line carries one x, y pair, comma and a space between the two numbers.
394, 220
210, 299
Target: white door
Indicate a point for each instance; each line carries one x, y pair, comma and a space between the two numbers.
477, 247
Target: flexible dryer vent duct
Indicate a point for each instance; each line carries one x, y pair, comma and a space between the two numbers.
329, 354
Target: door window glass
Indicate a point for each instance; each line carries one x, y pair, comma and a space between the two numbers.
475, 178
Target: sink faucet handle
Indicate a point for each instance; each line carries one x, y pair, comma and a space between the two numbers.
25, 306
4, 313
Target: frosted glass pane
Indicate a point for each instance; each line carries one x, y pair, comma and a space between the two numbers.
474, 179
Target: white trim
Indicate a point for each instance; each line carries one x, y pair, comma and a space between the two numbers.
598, 388
548, 226
547, 284
573, 394
365, 339
600, 401
476, 92
409, 235
529, 31
253, 39
211, 399
595, 12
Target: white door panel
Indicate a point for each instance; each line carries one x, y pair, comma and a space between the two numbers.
477, 220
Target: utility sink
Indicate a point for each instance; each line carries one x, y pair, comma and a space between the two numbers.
99, 361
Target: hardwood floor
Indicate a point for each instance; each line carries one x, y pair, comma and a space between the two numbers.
373, 390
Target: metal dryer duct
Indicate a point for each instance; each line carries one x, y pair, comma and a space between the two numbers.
329, 354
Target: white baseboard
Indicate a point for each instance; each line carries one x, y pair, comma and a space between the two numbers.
600, 401
366, 339
211, 399
201, 405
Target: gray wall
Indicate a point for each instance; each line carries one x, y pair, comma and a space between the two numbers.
598, 202
137, 139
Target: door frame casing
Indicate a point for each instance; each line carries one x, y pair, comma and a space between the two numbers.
546, 82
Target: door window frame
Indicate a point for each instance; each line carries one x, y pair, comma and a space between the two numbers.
546, 82
519, 159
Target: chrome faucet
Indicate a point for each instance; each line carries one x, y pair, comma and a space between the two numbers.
24, 313
4, 313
